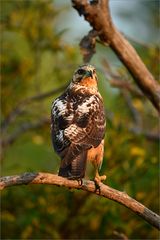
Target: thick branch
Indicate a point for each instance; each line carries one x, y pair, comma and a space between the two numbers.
89, 186
98, 16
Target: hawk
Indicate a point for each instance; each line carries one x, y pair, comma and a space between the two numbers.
78, 125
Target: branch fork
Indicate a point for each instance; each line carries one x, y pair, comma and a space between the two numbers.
98, 15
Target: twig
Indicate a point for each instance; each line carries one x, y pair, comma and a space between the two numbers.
88, 45
22, 129
116, 80
120, 235
89, 186
19, 109
126, 85
152, 136
137, 119
98, 15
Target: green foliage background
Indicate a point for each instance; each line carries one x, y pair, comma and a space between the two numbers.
34, 59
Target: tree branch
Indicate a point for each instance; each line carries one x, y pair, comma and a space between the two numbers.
122, 84
116, 80
19, 109
152, 136
24, 127
89, 186
88, 45
98, 15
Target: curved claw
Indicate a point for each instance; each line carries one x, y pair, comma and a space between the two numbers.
98, 179
78, 178
80, 181
97, 186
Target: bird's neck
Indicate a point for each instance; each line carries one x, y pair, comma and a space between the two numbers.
89, 82
93, 89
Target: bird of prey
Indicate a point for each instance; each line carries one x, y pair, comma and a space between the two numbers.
78, 125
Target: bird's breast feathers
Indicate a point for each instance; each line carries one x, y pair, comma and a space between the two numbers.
77, 118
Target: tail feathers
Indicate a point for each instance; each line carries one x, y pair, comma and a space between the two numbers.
76, 169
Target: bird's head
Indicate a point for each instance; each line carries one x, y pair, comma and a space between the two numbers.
86, 76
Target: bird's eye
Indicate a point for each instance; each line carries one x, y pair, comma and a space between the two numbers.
81, 71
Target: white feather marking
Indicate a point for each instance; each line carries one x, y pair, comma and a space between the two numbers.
71, 130
83, 108
70, 117
61, 107
60, 135
74, 133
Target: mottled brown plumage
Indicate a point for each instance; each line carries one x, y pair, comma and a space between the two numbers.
78, 124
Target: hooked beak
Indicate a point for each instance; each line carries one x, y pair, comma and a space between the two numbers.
88, 74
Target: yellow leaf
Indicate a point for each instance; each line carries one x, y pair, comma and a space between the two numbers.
8, 216
140, 195
136, 151
27, 232
139, 161
42, 201
154, 160
95, 223
138, 104
37, 139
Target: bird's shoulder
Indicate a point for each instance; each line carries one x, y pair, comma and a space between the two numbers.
74, 99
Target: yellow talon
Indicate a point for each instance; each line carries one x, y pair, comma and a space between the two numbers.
98, 179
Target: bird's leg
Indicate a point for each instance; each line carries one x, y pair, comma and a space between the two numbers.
99, 178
